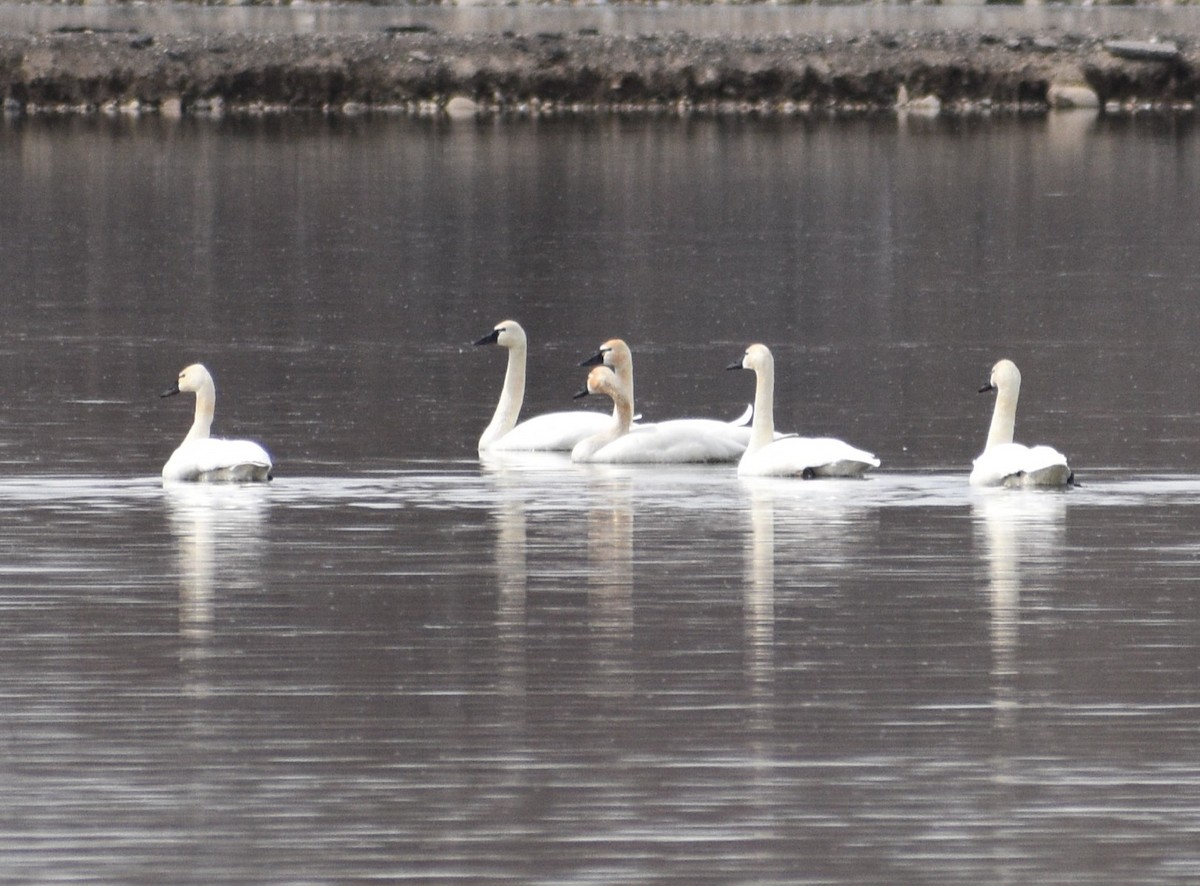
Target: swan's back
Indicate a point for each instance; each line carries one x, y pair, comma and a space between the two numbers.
206, 459
1003, 462
807, 457
681, 441
214, 460
552, 432
1014, 464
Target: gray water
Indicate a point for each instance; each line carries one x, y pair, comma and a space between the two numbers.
397, 662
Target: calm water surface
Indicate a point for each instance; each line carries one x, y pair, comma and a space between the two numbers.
399, 662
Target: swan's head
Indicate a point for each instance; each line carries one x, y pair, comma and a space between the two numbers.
614, 353
601, 380
1005, 377
757, 357
507, 334
191, 379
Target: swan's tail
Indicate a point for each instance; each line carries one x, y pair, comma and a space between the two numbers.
744, 419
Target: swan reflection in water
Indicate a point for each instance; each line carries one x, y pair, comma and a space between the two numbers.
758, 605
550, 483
218, 536
816, 520
610, 567
506, 474
1022, 538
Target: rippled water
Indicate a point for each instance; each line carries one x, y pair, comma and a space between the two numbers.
398, 662
599, 674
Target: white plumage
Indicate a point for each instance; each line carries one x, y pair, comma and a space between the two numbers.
552, 431
680, 441
210, 459
616, 355
807, 457
1005, 463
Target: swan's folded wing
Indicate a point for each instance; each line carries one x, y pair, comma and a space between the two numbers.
819, 456
737, 433
995, 464
1043, 457
681, 441
1013, 464
1046, 466
220, 460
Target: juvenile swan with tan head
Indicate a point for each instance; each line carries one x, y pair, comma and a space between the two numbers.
616, 355
552, 431
1005, 463
678, 441
806, 457
210, 459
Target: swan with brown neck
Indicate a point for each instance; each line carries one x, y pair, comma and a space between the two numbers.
679, 441
616, 355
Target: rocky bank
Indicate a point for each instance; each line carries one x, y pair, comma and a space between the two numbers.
416, 70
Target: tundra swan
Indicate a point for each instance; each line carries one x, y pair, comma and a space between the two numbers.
210, 459
1005, 463
553, 431
679, 441
615, 354
807, 457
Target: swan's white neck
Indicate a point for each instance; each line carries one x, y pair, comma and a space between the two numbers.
762, 428
206, 404
1004, 416
511, 398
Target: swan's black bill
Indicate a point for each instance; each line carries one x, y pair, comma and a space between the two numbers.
596, 359
490, 339
987, 389
737, 365
581, 394
171, 391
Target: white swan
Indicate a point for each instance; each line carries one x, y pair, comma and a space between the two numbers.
210, 459
677, 442
616, 355
553, 431
807, 457
1005, 463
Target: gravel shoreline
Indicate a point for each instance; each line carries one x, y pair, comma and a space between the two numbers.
419, 71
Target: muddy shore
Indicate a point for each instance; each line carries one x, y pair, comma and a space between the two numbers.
417, 69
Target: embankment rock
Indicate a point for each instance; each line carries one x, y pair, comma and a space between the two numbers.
420, 70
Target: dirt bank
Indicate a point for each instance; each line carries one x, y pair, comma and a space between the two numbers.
415, 71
